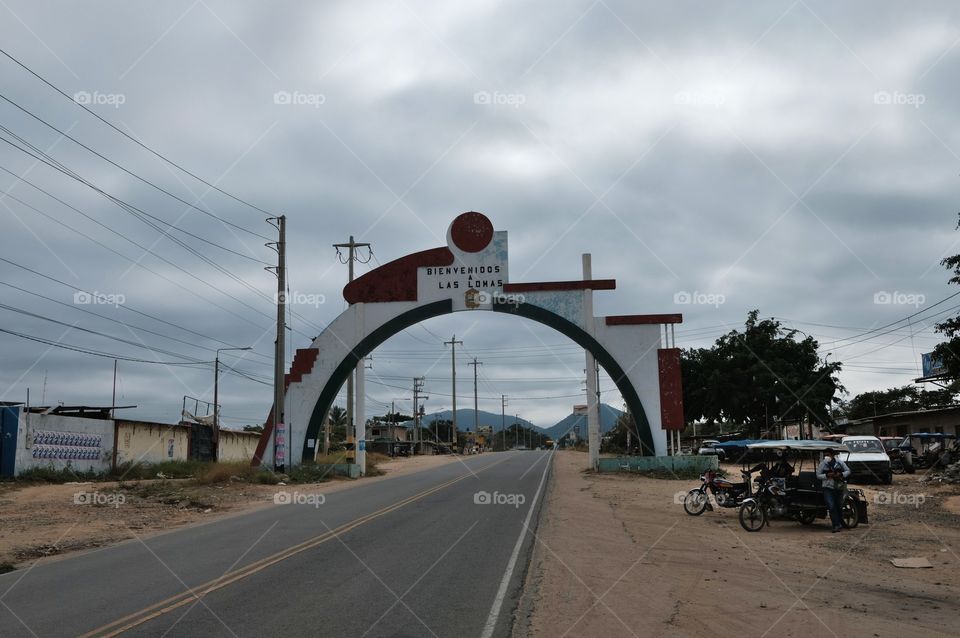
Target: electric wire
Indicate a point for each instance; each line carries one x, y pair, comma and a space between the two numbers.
170, 162
139, 214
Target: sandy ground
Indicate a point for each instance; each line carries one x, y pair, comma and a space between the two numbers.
38, 521
617, 556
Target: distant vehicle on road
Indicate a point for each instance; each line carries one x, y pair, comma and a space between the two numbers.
707, 448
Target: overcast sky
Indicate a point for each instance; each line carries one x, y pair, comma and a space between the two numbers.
796, 157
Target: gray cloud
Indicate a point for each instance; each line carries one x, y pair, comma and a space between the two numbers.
696, 126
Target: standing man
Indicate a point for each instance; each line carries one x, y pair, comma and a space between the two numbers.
833, 472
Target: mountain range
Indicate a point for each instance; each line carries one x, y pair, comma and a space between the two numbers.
465, 421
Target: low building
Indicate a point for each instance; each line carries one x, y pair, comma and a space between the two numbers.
384, 430
87, 439
945, 420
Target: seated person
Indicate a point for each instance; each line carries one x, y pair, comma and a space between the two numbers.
781, 469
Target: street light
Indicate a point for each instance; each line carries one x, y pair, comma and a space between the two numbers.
216, 396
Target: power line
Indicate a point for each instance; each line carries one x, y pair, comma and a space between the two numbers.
136, 212
115, 338
123, 323
133, 139
497, 398
893, 323
124, 306
58, 344
69, 137
136, 262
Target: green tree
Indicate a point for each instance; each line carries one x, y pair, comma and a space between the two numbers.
338, 427
758, 374
700, 373
902, 399
948, 352
624, 431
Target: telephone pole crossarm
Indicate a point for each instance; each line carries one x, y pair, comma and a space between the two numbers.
360, 457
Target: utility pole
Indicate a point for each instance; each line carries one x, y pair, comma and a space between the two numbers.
113, 401
503, 426
417, 397
596, 371
279, 363
326, 435
351, 247
476, 414
453, 375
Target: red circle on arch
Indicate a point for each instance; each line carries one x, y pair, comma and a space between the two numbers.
471, 232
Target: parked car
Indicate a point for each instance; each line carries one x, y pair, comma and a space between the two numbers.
868, 459
707, 448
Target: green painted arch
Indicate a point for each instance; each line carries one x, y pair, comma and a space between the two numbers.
445, 307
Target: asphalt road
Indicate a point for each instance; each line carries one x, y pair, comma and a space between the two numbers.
410, 556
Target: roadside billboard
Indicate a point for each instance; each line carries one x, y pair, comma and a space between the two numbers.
932, 367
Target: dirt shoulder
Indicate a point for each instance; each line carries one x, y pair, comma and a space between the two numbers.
43, 520
617, 556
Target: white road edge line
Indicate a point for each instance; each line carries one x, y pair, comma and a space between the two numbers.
508, 574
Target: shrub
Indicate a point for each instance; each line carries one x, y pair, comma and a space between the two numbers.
224, 471
310, 473
51, 475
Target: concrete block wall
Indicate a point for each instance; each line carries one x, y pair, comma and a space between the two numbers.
140, 442
61, 442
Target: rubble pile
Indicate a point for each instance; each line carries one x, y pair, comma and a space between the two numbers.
949, 474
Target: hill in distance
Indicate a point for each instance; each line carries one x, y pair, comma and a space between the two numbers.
608, 420
465, 420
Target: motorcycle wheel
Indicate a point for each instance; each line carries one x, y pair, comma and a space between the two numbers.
695, 502
807, 517
752, 517
850, 517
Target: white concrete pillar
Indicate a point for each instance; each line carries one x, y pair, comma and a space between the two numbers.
593, 417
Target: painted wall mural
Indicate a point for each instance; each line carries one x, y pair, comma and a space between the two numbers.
67, 446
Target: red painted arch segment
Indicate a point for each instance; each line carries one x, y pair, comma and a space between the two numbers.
643, 320
395, 280
550, 286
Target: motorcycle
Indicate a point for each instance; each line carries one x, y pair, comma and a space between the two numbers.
725, 492
798, 497
773, 501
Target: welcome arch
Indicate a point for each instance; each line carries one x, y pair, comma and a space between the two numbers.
471, 274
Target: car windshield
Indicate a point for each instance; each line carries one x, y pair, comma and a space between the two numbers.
892, 444
856, 447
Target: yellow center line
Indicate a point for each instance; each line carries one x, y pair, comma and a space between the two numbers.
121, 625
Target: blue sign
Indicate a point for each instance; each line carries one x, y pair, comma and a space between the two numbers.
363, 445
932, 367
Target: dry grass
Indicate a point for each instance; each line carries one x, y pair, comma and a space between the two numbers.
225, 471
